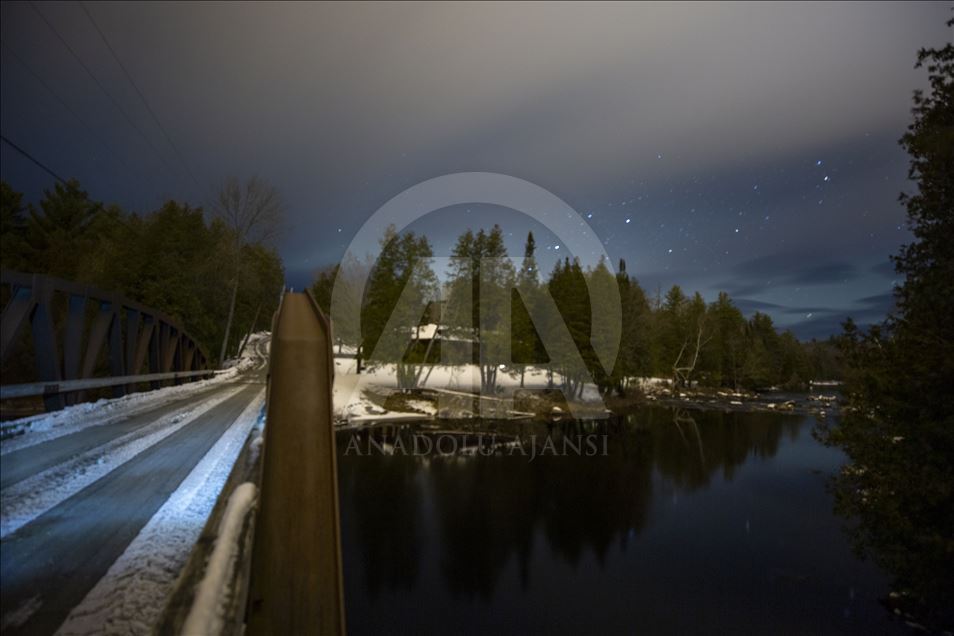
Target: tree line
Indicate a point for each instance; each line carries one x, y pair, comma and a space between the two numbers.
501, 306
196, 267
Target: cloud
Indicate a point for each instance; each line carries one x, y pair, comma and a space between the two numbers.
874, 308
836, 272
763, 274
749, 306
884, 268
865, 312
819, 328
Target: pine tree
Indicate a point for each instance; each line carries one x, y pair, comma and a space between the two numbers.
481, 279
898, 429
727, 352
635, 341
400, 287
13, 220
63, 237
526, 347
602, 286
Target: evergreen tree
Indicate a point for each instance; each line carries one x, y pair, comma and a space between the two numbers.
400, 287
670, 329
323, 286
727, 352
13, 224
601, 288
762, 365
567, 287
898, 429
634, 355
526, 347
481, 279
66, 236
793, 365
169, 259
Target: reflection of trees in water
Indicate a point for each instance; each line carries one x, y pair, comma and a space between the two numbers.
588, 502
485, 512
690, 447
488, 509
386, 499
896, 495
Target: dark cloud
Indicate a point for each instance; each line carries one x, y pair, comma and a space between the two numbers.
874, 308
823, 274
824, 321
786, 269
820, 328
885, 268
748, 306
747, 147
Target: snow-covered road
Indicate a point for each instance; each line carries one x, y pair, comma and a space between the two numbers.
100, 507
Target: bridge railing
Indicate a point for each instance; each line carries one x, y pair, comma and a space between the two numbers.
72, 324
296, 567
286, 575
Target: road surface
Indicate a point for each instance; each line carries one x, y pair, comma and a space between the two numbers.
51, 563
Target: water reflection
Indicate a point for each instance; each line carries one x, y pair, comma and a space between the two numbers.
385, 504
494, 530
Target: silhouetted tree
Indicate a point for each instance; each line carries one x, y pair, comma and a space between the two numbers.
898, 430
253, 212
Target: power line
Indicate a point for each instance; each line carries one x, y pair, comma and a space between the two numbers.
145, 101
33, 159
102, 88
144, 179
26, 67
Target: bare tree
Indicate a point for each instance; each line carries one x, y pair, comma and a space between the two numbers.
253, 211
691, 347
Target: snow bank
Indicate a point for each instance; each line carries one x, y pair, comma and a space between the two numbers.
350, 403
130, 598
208, 612
422, 406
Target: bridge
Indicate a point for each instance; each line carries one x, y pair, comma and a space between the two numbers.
207, 506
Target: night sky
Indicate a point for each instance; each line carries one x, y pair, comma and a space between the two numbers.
750, 148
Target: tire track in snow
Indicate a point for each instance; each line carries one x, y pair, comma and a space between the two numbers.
26, 500
131, 596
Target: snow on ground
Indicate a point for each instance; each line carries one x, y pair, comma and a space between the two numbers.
37, 429
423, 406
207, 615
24, 501
130, 598
350, 403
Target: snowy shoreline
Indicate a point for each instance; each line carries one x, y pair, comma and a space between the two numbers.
373, 397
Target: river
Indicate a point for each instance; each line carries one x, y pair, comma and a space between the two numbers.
663, 522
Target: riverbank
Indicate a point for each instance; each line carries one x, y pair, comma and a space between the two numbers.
376, 404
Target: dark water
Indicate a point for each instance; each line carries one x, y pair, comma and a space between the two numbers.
692, 523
